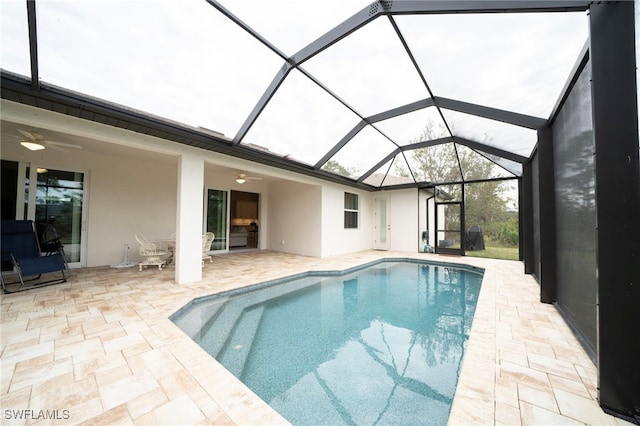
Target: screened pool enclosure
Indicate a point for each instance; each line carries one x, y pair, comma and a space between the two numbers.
380, 97
396, 81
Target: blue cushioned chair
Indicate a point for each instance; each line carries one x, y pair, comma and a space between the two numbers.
19, 246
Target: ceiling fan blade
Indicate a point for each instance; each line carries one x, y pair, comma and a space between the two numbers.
57, 148
245, 177
11, 135
27, 134
68, 145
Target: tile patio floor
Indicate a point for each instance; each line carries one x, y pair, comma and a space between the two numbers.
100, 349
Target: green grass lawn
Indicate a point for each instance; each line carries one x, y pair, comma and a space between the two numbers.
495, 252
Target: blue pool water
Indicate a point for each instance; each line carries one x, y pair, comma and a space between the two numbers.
379, 345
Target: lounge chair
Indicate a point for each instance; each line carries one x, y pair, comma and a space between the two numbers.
20, 250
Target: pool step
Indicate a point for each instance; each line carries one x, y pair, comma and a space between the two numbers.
214, 336
219, 321
218, 329
198, 319
236, 351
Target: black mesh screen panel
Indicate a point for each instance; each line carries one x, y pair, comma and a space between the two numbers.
576, 210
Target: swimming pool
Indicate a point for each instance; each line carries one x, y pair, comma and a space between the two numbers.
381, 344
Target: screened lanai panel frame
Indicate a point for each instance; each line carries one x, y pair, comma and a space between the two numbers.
377, 176
513, 167
351, 68
434, 127
366, 15
413, 127
14, 27
384, 165
417, 7
374, 120
411, 117
310, 23
161, 58
435, 163
388, 12
507, 137
398, 172
299, 100
404, 151
362, 152
479, 72
478, 166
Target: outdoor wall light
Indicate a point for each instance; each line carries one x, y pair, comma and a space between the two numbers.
32, 146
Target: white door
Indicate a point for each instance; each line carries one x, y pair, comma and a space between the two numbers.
382, 227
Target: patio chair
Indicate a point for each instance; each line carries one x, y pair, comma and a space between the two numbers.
48, 237
207, 239
49, 241
20, 249
152, 256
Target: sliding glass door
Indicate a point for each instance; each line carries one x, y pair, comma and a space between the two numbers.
216, 216
54, 200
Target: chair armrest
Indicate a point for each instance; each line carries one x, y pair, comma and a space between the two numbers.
51, 246
6, 255
150, 249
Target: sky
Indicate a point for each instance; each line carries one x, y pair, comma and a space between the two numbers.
183, 60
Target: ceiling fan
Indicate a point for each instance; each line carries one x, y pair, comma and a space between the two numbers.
35, 141
242, 178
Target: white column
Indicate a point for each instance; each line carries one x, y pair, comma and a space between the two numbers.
188, 256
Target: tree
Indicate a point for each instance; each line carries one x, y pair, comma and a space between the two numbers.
485, 202
335, 167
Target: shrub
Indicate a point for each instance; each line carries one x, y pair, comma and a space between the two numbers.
504, 232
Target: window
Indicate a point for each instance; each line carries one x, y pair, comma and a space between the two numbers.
350, 211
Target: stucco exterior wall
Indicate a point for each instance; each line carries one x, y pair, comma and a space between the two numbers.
134, 190
336, 239
128, 197
294, 218
123, 197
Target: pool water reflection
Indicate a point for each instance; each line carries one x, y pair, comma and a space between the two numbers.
380, 345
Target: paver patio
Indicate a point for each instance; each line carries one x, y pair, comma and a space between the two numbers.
100, 349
